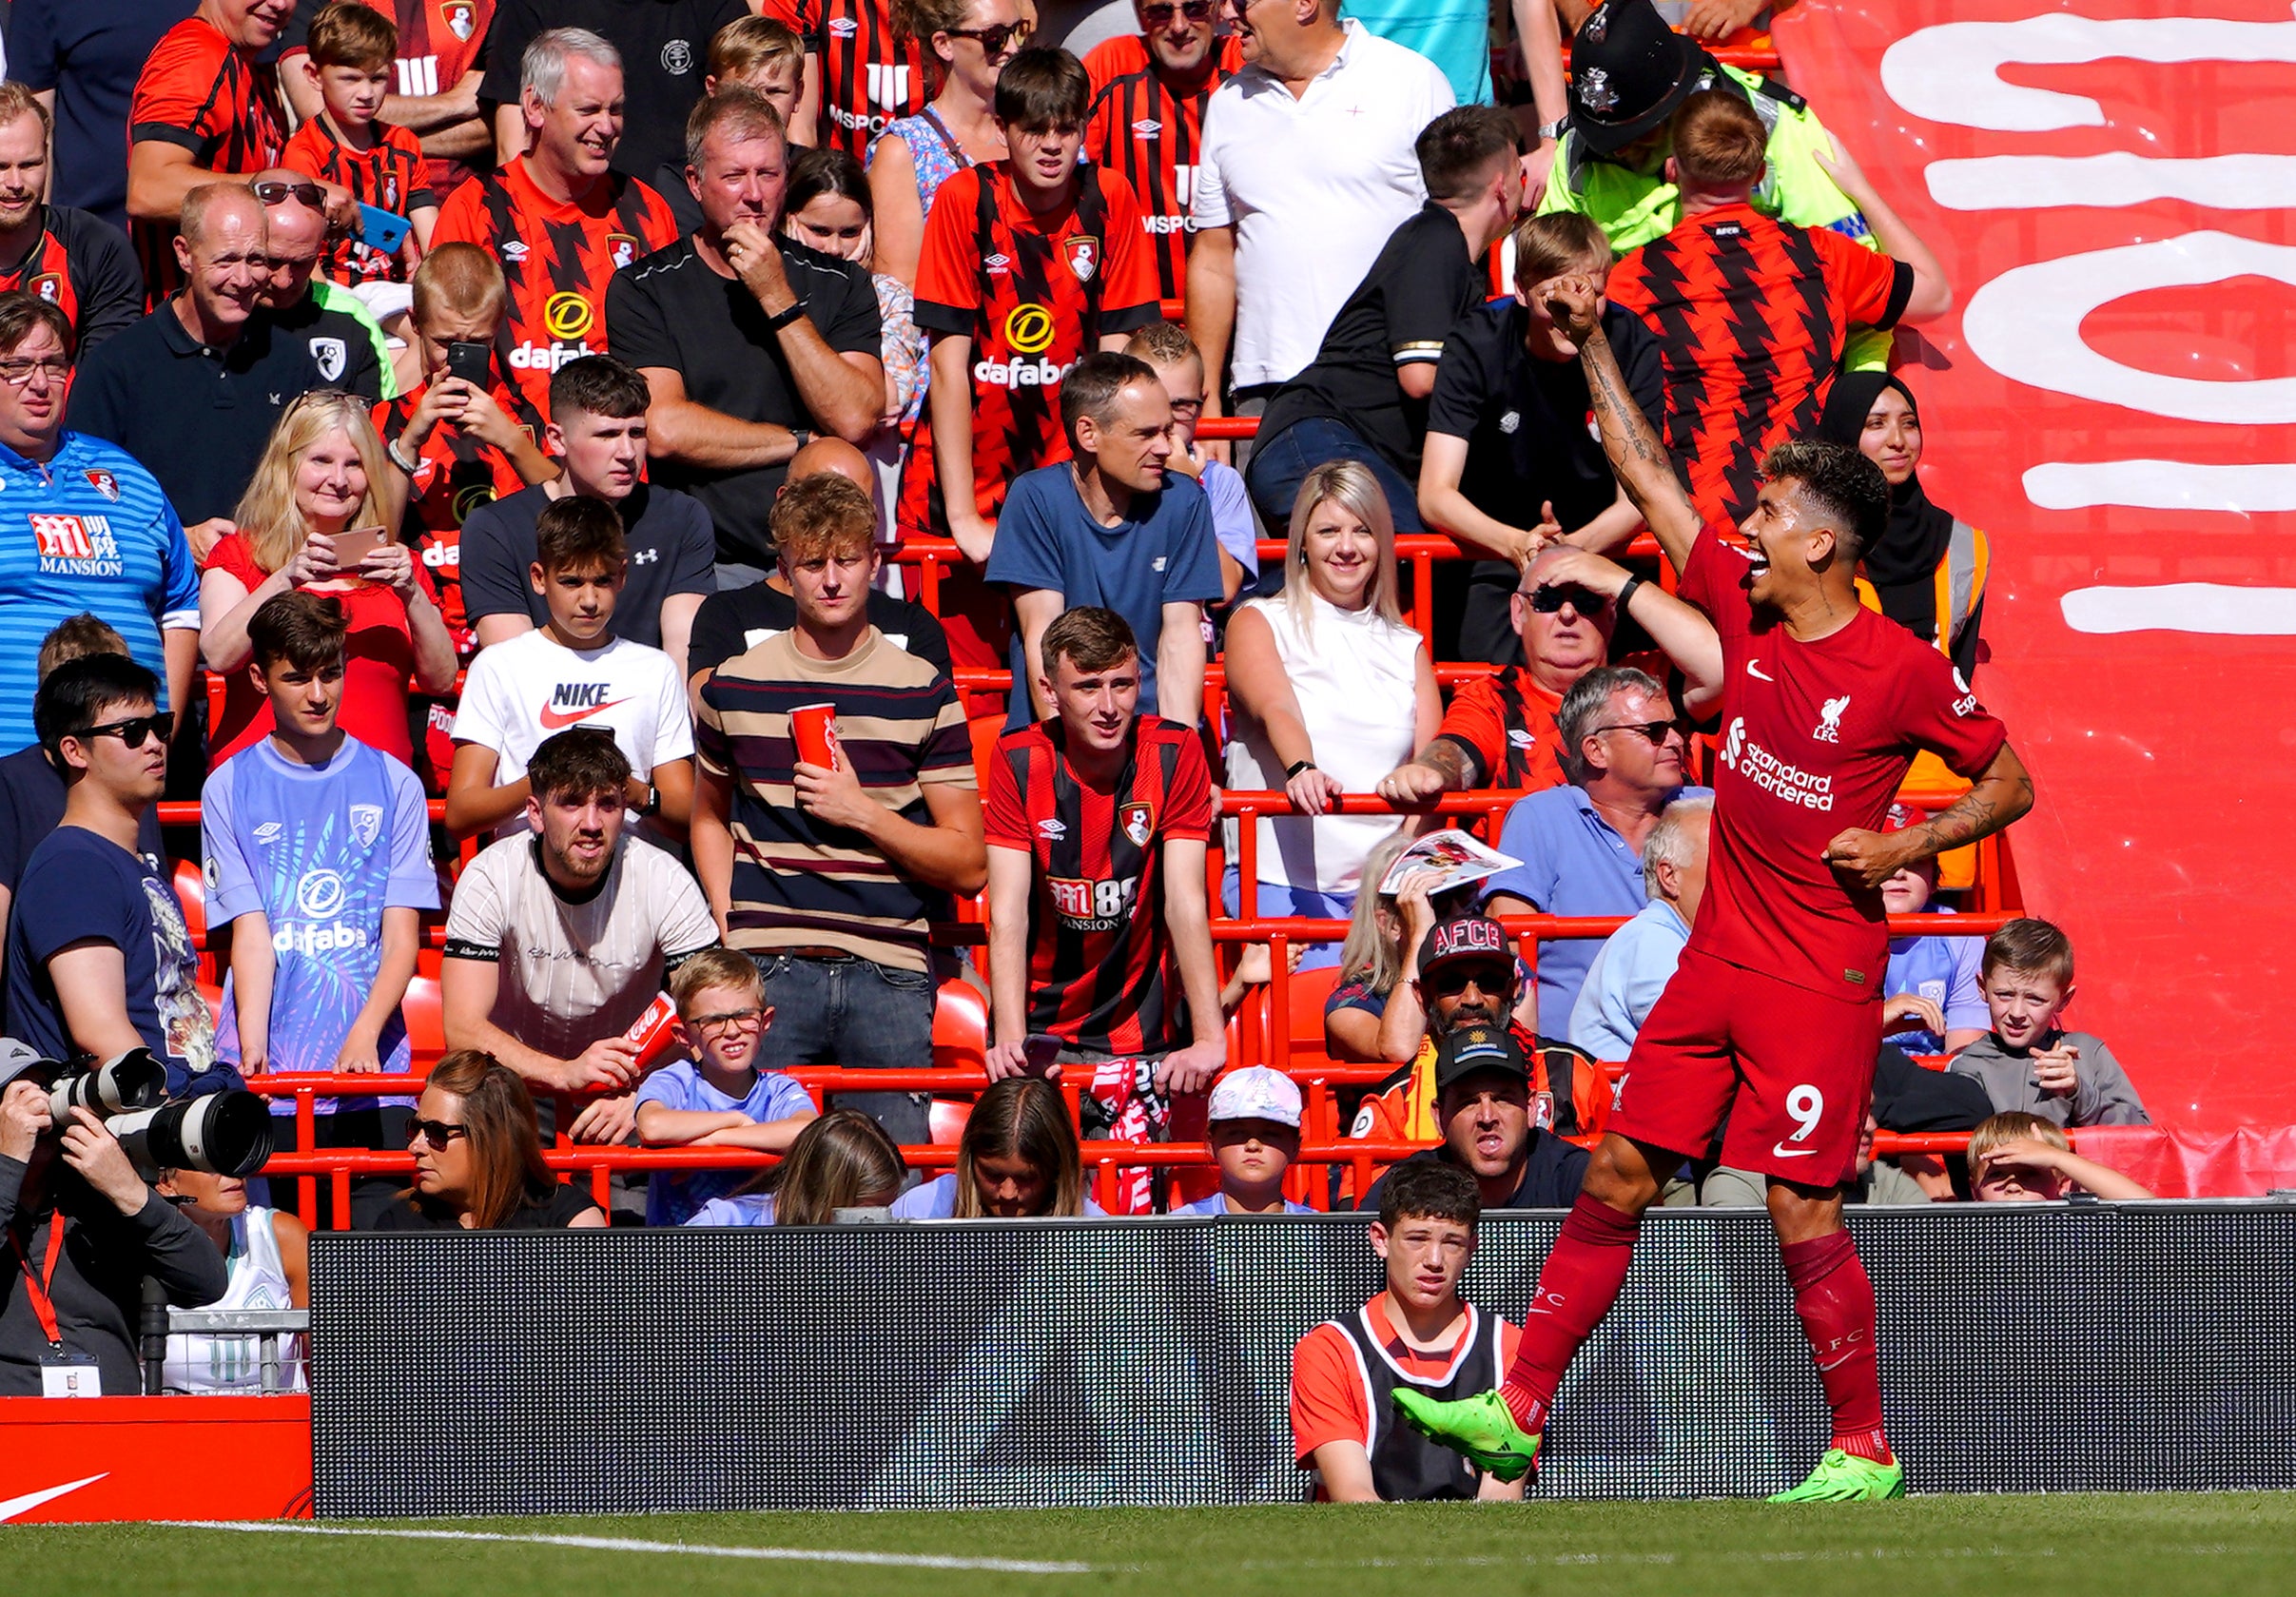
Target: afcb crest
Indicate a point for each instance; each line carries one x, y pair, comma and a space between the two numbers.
1083, 255
367, 824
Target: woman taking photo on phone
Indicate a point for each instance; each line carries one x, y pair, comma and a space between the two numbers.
318, 515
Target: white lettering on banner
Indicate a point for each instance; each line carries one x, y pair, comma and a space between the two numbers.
2161, 485
2183, 607
1766, 770
2026, 325
2013, 183
1951, 73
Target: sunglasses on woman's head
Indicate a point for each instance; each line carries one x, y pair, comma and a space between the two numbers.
132, 731
436, 1133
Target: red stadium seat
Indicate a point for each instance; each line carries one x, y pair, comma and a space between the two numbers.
959, 1028
191, 889
425, 1023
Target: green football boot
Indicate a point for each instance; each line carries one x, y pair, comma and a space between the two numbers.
1843, 1477
1480, 1426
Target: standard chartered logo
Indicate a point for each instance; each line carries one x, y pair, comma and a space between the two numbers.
1766, 770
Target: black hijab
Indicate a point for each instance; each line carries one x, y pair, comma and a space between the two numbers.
1903, 566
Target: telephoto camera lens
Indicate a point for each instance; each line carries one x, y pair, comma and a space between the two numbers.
129, 1081
223, 1133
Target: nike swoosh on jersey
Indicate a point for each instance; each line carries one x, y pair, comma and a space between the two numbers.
555, 719
1758, 673
1781, 1151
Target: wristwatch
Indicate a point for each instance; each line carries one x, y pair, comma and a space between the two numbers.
775, 322
1296, 766
1553, 130
799, 436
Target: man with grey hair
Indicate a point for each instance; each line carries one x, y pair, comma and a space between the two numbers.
193, 390
557, 217
1631, 967
664, 49
750, 343
1582, 844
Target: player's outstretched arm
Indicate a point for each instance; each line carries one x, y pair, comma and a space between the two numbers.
1998, 797
1637, 456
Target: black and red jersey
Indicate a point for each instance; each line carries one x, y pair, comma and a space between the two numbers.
84, 268
871, 72
1148, 132
439, 43
391, 175
1100, 969
1751, 316
456, 474
557, 257
202, 93
1033, 294
1128, 52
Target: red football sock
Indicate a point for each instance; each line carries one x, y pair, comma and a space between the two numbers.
1834, 1298
1582, 1277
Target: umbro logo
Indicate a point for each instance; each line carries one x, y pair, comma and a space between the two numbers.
1052, 826
1522, 737
1147, 128
514, 249
844, 27
997, 265
267, 833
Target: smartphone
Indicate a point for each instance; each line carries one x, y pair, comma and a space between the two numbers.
1040, 1049
471, 361
356, 544
382, 230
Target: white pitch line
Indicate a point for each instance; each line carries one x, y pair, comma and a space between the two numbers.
618, 1544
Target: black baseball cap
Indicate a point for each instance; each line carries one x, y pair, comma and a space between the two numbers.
1466, 937
1473, 1049
1628, 71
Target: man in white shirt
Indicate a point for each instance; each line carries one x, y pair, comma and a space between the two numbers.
573, 672
558, 942
1307, 166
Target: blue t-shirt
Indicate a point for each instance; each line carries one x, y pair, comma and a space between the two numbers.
90, 531
936, 1199
749, 1209
1945, 970
1573, 863
1217, 1204
320, 852
1165, 553
1623, 984
80, 888
670, 1197
1454, 34
1233, 522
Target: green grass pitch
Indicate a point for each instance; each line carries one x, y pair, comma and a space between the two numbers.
1935, 1547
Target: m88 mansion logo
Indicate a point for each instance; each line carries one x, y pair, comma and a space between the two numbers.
76, 546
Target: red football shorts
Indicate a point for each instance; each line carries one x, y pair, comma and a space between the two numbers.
1792, 1070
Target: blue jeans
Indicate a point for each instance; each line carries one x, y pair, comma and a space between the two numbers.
856, 1015
1279, 463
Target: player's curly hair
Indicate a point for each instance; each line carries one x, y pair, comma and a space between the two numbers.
1847, 490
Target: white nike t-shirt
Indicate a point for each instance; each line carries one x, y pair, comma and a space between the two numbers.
532, 687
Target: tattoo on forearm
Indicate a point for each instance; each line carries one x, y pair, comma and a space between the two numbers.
1627, 439
1994, 803
1445, 756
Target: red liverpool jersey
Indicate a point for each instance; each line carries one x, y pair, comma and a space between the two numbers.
1816, 739
1751, 316
870, 72
558, 257
391, 176
1148, 133
201, 93
1101, 973
1035, 294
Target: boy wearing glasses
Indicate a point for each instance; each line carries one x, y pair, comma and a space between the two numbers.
318, 852
99, 959
720, 1098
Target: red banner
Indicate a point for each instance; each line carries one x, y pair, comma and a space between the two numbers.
2113, 399
82, 1460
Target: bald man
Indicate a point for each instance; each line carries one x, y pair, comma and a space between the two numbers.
735, 620
193, 389
345, 340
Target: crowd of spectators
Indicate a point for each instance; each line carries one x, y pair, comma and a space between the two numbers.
513, 405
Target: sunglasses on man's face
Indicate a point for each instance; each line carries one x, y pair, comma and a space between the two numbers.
437, 1134
1553, 596
1161, 16
1656, 731
1454, 979
132, 731
277, 193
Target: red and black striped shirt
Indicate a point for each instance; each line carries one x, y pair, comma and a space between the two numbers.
1148, 132
390, 176
200, 92
1100, 969
871, 72
455, 474
83, 266
439, 42
1751, 315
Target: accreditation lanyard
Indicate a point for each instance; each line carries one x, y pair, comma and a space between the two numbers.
36, 1287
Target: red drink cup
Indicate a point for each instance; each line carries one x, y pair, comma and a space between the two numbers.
810, 728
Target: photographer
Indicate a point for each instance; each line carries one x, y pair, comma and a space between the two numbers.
82, 1239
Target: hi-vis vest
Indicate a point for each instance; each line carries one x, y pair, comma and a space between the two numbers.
1961, 583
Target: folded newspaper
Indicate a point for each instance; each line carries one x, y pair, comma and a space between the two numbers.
1456, 858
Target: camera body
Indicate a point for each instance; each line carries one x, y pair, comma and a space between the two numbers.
223, 1133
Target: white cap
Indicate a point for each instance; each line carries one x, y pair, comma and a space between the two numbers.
1257, 1093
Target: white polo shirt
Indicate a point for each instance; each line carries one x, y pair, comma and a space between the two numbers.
1313, 186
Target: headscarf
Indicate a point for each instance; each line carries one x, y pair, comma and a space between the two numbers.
1903, 565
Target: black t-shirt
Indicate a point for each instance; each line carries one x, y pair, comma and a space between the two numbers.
197, 418
664, 47
739, 620
89, 52
1552, 1176
671, 551
669, 180
342, 351
407, 1212
1400, 313
670, 310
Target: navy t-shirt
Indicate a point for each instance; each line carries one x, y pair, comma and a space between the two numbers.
31, 806
89, 52
1163, 553
80, 888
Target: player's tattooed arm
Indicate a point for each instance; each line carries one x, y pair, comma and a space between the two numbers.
1998, 797
1637, 458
